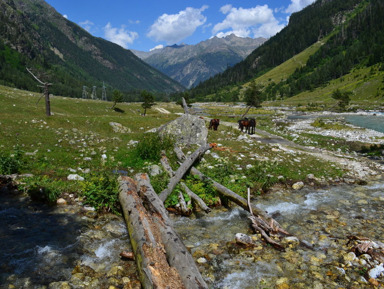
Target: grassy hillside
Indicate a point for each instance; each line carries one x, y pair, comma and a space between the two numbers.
34, 35
78, 139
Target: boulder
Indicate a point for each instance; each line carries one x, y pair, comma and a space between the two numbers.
187, 130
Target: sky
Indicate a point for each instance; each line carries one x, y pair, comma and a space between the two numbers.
149, 24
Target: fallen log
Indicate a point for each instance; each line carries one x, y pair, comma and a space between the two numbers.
153, 267
195, 198
184, 167
183, 205
188, 191
264, 220
177, 254
232, 196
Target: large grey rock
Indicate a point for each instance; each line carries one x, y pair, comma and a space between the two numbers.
187, 129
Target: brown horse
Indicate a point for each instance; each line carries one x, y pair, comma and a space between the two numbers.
214, 124
247, 124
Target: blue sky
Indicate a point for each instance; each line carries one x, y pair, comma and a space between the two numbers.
148, 24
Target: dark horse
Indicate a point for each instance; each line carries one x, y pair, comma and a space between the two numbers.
214, 123
248, 124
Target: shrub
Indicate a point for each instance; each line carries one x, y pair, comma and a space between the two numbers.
42, 188
150, 146
101, 192
12, 163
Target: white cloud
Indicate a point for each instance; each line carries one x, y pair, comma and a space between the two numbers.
297, 5
157, 47
258, 21
176, 27
65, 16
87, 25
120, 36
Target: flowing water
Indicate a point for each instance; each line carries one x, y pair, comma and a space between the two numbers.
324, 218
41, 245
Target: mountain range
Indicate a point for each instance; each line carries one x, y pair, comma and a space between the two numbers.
33, 34
339, 35
192, 64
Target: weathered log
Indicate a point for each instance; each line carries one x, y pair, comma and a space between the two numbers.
154, 270
177, 254
195, 197
188, 191
185, 106
183, 205
232, 196
184, 167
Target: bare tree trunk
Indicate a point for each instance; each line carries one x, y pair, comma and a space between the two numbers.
232, 196
245, 113
46, 86
184, 167
192, 195
154, 270
185, 106
177, 254
47, 100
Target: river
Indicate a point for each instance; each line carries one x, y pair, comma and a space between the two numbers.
42, 245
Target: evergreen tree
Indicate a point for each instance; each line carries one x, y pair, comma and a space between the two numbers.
148, 100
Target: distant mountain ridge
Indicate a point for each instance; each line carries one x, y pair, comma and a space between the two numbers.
350, 34
34, 34
191, 64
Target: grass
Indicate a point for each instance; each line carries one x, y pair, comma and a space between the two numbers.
78, 139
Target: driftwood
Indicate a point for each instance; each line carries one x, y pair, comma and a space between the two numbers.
232, 196
195, 198
185, 106
262, 222
177, 254
154, 270
184, 167
188, 191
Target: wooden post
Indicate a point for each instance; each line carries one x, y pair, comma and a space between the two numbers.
45, 86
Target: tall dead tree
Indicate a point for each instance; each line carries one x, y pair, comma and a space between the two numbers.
45, 86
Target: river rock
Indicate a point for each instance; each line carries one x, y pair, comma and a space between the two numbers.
243, 239
376, 271
298, 186
61, 201
187, 129
59, 285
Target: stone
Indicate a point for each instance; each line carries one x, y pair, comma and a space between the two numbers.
376, 271
75, 177
154, 170
349, 257
187, 129
61, 201
243, 239
298, 186
119, 128
202, 260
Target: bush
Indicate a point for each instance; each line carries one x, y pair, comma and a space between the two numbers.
101, 192
42, 188
12, 163
150, 146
